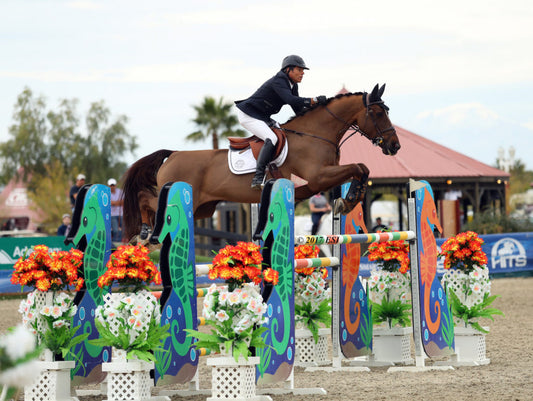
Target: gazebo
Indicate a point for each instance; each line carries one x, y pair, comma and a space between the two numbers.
468, 184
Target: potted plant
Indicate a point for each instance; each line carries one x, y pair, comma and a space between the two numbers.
389, 296
235, 313
467, 285
129, 321
48, 311
312, 309
467, 279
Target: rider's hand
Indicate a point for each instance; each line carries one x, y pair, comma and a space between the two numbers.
321, 100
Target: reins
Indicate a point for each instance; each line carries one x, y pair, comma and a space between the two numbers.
346, 125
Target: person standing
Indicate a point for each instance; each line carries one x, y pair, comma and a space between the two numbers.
116, 210
62, 230
80, 181
318, 204
254, 113
379, 225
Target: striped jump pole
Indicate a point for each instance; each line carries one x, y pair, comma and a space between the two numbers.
315, 262
354, 238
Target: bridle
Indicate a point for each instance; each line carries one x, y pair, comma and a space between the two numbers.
376, 141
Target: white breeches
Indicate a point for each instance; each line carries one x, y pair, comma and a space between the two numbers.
257, 127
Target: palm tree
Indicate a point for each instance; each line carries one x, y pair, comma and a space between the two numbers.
214, 119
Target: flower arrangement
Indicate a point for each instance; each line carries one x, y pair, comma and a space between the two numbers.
49, 271
132, 323
389, 287
463, 252
130, 320
236, 311
391, 255
233, 316
131, 267
312, 296
51, 322
18, 360
467, 280
239, 264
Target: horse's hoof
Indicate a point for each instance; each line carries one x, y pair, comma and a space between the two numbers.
338, 206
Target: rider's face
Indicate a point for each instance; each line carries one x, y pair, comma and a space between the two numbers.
296, 74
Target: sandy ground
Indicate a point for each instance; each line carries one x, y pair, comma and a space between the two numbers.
509, 376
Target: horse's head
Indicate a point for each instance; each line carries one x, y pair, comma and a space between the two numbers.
374, 123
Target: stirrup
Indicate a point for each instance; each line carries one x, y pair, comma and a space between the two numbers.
256, 183
145, 231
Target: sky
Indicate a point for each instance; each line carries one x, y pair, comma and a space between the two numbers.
457, 72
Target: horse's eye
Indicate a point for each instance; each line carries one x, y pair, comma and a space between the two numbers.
85, 221
271, 217
169, 219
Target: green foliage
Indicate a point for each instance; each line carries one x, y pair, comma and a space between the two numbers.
492, 223
393, 312
142, 347
470, 314
214, 120
60, 340
238, 343
311, 317
49, 145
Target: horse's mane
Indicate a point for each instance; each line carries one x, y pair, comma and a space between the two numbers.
308, 109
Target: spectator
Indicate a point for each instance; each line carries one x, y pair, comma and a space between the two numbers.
116, 210
318, 204
80, 181
63, 229
379, 226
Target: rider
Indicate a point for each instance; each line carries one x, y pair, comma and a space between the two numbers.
254, 113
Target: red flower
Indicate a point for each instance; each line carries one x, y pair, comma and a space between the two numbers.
463, 251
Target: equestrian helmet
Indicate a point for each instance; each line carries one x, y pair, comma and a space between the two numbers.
293, 60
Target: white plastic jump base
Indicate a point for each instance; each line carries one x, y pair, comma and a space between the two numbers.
390, 347
470, 348
309, 353
234, 380
52, 384
130, 380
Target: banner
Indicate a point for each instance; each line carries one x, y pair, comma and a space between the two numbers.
12, 248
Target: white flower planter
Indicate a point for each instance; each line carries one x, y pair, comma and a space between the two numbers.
392, 346
233, 380
469, 347
52, 384
309, 353
129, 379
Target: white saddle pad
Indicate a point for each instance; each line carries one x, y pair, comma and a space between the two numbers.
243, 161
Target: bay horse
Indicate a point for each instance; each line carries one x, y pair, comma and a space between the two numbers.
314, 138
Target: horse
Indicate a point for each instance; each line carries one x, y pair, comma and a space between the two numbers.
314, 139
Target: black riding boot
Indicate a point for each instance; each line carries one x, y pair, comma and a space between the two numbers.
265, 156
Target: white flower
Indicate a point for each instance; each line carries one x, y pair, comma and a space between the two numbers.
21, 375
18, 343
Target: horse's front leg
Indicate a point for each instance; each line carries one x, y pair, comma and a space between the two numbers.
331, 176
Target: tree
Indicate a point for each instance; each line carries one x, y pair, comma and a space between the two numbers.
46, 147
214, 120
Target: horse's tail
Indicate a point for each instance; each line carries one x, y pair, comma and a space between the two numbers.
141, 176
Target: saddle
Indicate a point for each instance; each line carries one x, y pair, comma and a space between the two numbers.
255, 143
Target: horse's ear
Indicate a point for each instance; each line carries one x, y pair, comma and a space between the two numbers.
382, 89
374, 94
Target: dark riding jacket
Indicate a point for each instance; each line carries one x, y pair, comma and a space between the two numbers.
271, 97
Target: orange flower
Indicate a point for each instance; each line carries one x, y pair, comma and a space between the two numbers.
463, 251
391, 255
